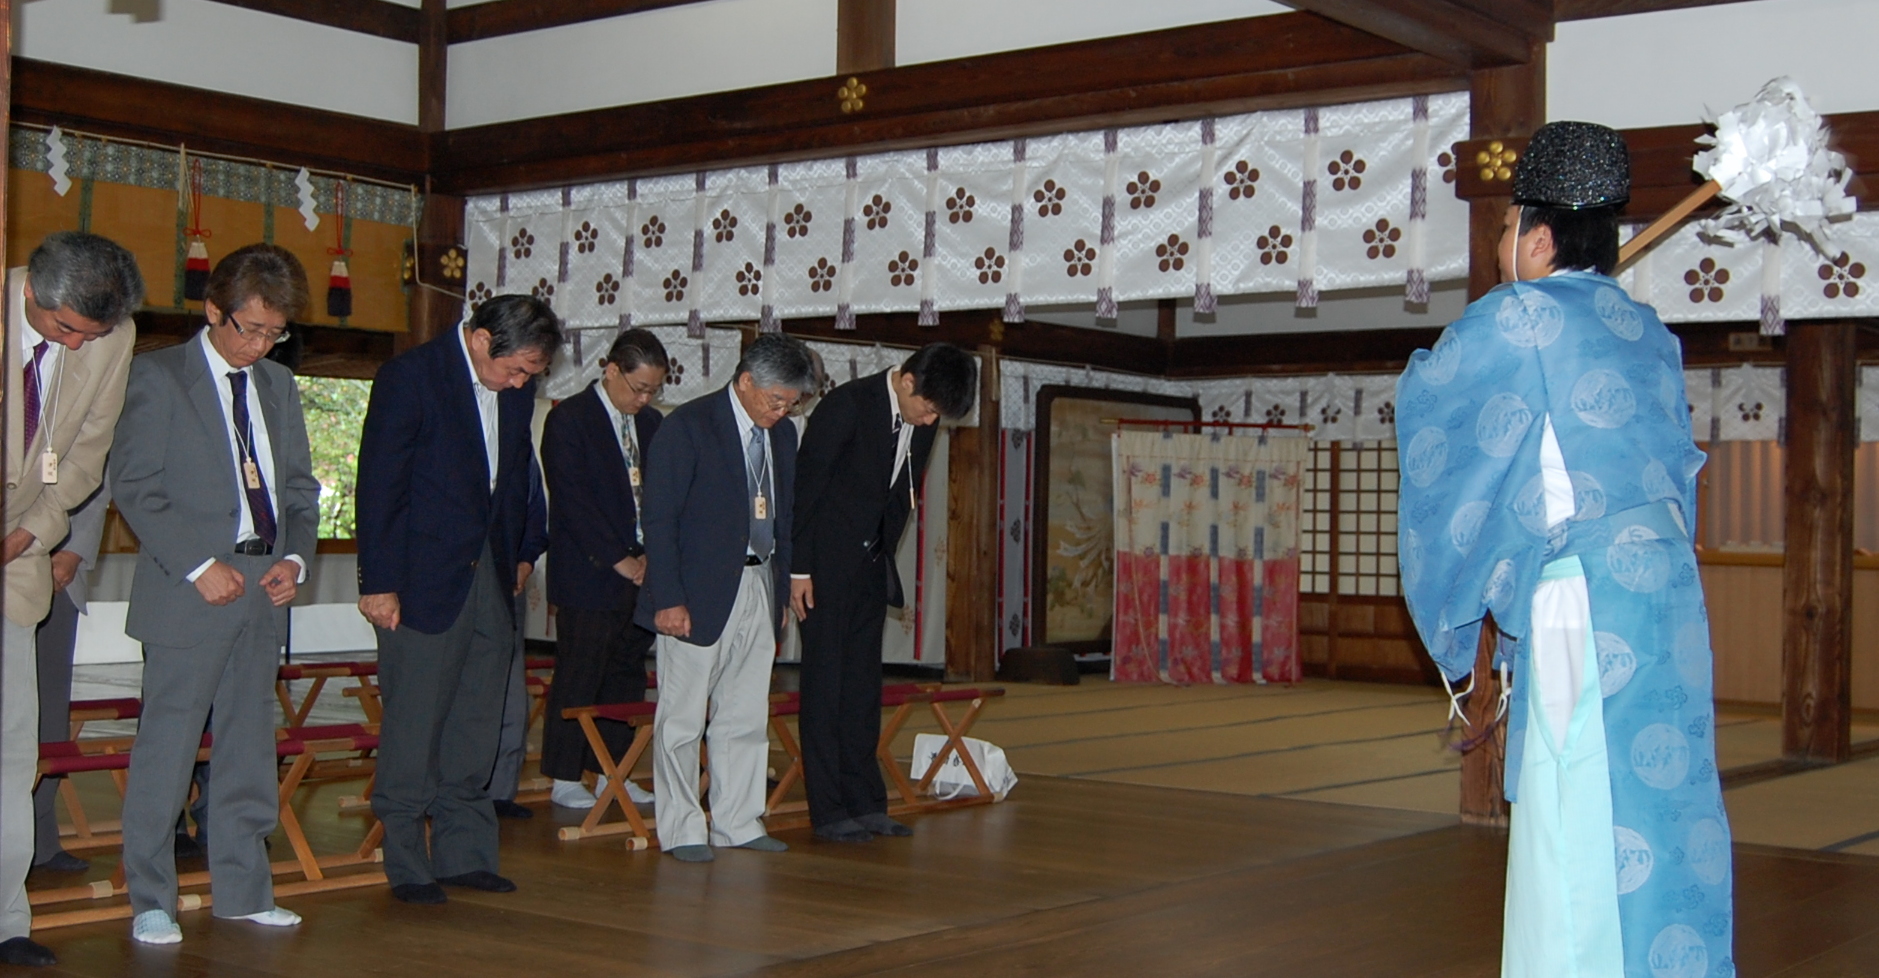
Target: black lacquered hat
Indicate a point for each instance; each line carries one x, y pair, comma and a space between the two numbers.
1574, 165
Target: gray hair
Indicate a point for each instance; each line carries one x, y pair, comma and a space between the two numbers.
93, 276
778, 360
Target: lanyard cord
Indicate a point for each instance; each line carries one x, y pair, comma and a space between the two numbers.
48, 405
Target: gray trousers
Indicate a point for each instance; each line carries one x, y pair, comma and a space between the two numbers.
234, 675
512, 747
718, 694
443, 698
19, 759
57, 642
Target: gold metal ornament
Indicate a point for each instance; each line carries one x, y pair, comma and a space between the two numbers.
1496, 162
851, 96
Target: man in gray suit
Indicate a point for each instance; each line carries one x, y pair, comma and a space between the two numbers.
72, 564
213, 473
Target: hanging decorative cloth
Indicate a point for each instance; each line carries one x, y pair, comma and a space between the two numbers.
196, 263
339, 282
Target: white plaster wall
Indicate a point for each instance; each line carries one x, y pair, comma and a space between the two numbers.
1679, 66
229, 49
714, 46
935, 30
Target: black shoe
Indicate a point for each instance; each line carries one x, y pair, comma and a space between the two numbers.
880, 824
426, 894
509, 809
846, 830
481, 879
188, 848
22, 950
62, 862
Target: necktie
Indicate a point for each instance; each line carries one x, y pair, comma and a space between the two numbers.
762, 531
260, 507
631, 446
894, 476
31, 395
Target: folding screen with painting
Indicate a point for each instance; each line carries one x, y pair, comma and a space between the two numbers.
1073, 567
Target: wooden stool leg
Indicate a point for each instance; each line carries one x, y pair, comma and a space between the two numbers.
290, 822
795, 772
955, 741
306, 705
75, 808
884, 751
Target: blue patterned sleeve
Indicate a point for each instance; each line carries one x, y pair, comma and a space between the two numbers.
1471, 518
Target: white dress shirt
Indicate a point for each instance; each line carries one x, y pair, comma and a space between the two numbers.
263, 452
744, 427
485, 407
904, 446
624, 428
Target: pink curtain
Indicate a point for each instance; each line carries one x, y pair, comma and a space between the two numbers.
1206, 558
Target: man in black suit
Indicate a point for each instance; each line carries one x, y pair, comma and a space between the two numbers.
862, 461
212, 471
443, 499
718, 491
593, 449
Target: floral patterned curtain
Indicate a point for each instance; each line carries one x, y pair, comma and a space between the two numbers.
1206, 557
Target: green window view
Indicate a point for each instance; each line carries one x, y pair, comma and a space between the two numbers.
335, 411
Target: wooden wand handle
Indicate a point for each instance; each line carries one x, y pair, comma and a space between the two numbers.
1645, 238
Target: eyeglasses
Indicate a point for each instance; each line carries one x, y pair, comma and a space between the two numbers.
251, 333
777, 402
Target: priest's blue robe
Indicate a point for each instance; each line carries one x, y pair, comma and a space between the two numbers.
1474, 539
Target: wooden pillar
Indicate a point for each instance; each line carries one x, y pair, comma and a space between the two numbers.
435, 302
1504, 102
439, 254
1817, 579
864, 35
972, 540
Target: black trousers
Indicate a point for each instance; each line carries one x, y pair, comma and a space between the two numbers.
600, 657
841, 695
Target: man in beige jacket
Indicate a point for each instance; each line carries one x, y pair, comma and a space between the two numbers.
67, 353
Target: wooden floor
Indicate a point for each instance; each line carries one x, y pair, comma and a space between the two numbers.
1068, 877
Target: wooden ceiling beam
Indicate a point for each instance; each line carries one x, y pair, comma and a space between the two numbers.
1189, 72
1453, 30
380, 18
481, 21
1565, 10
123, 106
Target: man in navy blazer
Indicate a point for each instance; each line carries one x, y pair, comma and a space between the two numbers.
443, 498
717, 515
594, 447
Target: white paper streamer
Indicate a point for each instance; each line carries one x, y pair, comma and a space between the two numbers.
1772, 323
303, 182
55, 157
1770, 155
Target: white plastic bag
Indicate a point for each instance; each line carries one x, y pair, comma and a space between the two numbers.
953, 780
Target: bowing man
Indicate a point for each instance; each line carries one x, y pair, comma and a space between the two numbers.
69, 339
594, 446
862, 461
718, 491
212, 471
443, 504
